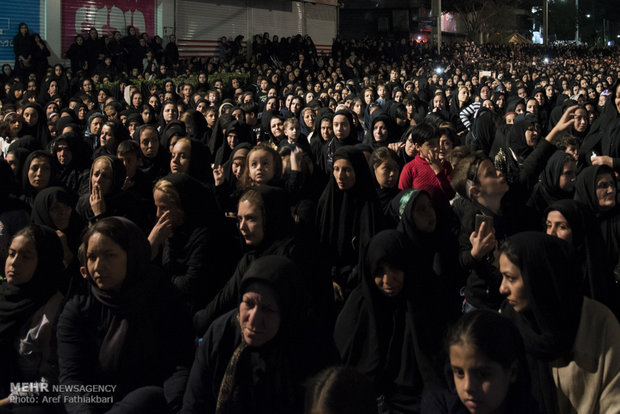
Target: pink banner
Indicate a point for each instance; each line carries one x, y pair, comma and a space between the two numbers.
107, 16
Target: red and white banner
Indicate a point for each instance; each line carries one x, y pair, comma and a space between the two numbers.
107, 16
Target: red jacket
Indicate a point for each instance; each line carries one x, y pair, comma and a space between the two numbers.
418, 174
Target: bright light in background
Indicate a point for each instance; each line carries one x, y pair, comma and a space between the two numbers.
420, 37
588, 15
546, 60
438, 70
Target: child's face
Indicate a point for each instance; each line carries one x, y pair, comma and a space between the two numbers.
481, 384
261, 167
292, 132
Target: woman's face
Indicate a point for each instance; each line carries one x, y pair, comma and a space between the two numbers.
261, 167
390, 280
344, 174
259, 314
531, 134
557, 225
379, 131
481, 384
275, 125
147, 116
136, 100
341, 127
250, 220
232, 139
107, 136
106, 262
170, 112
164, 204
463, 94
309, 119
211, 118
445, 146
387, 174
154, 101
327, 133
53, 88
22, 260
617, 99
181, 155
64, 153
424, 216
60, 213
512, 284
605, 191
520, 109
31, 116
580, 122
410, 148
569, 174
39, 173
102, 176
238, 163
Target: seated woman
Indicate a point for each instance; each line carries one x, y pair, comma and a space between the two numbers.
128, 329
348, 215
37, 174
596, 187
267, 228
557, 182
29, 305
106, 196
387, 330
55, 207
571, 341
191, 239
489, 372
571, 220
256, 358
193, 158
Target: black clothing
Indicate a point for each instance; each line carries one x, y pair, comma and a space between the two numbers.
18, 303
391, 339
200, 254
609, 221
597, 267
550, 322
135, 337
235, 377
548, 189
347, 219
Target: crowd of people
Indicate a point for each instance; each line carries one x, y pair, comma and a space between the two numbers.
379, 230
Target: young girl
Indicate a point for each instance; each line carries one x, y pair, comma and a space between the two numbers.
488, 366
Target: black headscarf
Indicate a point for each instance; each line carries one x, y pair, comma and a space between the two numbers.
609, 221
277, 219
483, 130
45, 200
550, 321
29, 191
269, 378
345, 218
19, 302
598, 282
548, 189
604, 135
125, 313
516, 137
38, 130
389, 339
